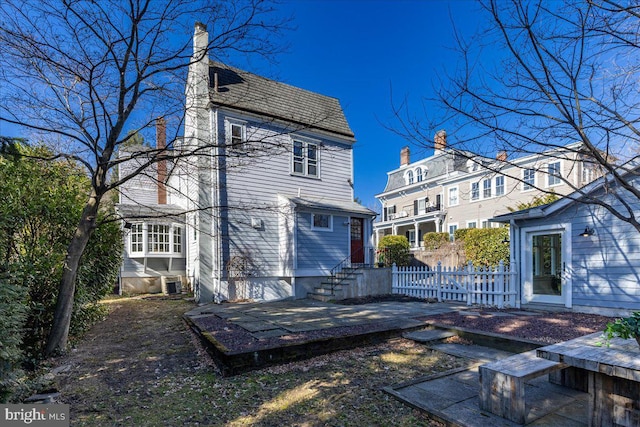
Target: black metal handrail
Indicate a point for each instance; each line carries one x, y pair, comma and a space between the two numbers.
345, 263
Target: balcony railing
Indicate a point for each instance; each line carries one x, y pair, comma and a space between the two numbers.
406, 214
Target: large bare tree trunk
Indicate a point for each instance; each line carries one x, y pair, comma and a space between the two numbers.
59, 334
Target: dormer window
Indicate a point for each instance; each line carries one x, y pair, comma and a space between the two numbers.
419, 174
472, 165
410, 177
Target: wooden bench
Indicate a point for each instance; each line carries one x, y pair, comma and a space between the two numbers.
502, 383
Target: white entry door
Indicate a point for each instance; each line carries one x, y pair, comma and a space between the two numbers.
546, 253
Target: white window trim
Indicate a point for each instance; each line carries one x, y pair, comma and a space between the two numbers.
471, 198
474, 222
504, 185
142, 233
484, 188
549, 175
146, 245
452, 236
313, 227
228, 126
535, 177
179, 235
457, 196
409, 178
305, 157
419, 174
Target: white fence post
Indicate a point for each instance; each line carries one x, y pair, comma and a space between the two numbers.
439, 281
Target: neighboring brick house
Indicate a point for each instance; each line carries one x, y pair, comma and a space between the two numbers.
451, 190
263, 181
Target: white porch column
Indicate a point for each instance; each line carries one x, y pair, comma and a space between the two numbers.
394, 229
416, 226
438, 225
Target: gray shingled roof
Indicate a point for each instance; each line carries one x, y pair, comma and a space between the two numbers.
434, 167
332, 205
249, 92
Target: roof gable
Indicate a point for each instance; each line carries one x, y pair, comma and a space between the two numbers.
241, 90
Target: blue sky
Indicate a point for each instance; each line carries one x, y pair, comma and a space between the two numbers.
358, 51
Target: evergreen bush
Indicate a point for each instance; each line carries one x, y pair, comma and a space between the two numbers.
394, 250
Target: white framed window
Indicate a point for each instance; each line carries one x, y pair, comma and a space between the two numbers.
452, 232
554, 174
475, 191
528, 179
421, 206
485, 223
588, 172
236, 134
136, 238
453, 196
158, 238
177, 240
486, 188
500, 185
472, 224
305, 159
419, 175
321, 222
409, 177
389, 213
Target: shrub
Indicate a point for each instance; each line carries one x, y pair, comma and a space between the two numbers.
14, 314
484, 246
395, 250
433, 241
40, 204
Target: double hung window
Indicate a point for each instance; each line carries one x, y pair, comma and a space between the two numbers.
528, 179
453, 196
305, 159
499, 185
486, 188
475, 191
136, 238
553, 177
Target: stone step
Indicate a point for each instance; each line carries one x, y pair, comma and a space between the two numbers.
318, 297
428, 335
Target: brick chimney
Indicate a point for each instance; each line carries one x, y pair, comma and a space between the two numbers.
405, 156
440, 140
501, 156
161, 145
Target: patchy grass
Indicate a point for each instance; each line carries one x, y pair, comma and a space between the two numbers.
143, 367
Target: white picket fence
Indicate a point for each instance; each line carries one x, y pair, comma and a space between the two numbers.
484, 286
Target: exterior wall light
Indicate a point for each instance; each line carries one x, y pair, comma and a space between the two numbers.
588, 231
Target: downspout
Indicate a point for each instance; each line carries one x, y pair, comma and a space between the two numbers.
515, 258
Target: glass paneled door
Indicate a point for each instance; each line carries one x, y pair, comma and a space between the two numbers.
545, 255
357, 240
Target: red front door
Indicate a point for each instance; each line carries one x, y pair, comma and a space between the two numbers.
357, 241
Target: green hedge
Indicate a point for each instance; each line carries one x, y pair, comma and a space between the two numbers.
394, 250
485, 246
433, 241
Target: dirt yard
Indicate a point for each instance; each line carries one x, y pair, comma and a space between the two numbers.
143, 367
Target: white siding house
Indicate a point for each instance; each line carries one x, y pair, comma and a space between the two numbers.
269, 195
579, 255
